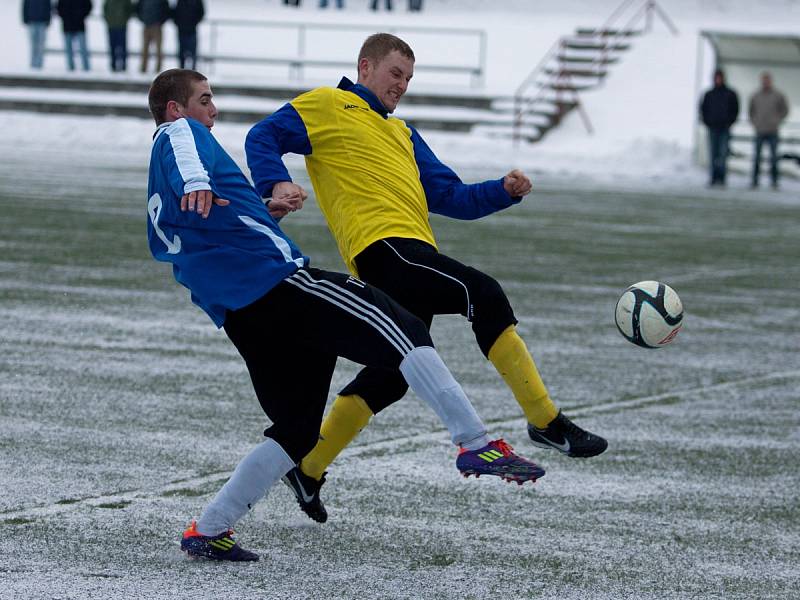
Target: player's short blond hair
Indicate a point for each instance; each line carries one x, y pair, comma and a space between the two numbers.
379, 45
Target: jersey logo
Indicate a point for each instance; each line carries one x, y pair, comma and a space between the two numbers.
349, 106
357, 282
154, 206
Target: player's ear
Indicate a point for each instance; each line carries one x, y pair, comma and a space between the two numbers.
174, 110
364, 66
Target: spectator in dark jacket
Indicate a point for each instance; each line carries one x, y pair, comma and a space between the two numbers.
73, 15
187, 14
117, 13
36, 15
152, 14
719, 110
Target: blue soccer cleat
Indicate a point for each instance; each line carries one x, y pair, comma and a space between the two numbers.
498, 458
216, 547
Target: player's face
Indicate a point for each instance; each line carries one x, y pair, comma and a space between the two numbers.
387, 79
200, 106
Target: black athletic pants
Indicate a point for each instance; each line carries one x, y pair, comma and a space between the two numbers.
290, 339
427, 283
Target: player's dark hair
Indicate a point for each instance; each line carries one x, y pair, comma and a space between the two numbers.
173, 84
379, 45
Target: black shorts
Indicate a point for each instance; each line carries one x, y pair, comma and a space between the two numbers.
427, 283
290, 339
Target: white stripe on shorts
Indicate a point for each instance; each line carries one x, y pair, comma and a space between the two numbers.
359, 308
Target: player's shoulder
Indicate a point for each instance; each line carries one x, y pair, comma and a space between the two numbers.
316, 93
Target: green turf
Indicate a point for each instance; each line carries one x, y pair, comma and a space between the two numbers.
123, 410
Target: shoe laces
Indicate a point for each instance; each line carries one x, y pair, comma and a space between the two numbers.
570, 428
503, 446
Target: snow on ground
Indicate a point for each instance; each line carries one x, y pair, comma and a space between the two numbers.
104, 403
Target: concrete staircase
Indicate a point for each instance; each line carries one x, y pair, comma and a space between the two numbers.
576, 63
95, 94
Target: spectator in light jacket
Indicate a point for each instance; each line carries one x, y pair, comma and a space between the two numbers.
36, 15
73, 15
768, 108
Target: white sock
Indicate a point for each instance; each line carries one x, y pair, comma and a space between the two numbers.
430, 378
251, 480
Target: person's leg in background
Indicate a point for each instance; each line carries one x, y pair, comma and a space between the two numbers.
69, 40
722, 156
757, 160
772, 142
83, 49
713, 155
38, 35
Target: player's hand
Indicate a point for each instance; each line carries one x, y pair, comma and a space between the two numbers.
286, 197
517, 184
200, 201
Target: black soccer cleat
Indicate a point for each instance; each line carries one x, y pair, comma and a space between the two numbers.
563, 435
306, 490
216, 547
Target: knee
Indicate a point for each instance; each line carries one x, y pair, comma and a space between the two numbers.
296, 441
418, 332
393, 389
488, 296
492, 313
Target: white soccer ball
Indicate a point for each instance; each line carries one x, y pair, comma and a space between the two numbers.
649, 314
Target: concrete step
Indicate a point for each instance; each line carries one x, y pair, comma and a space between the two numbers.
284, 91
544, 106
591, 32
579, 43
233, 107
587, 58
570, 86
561, 69
526, 132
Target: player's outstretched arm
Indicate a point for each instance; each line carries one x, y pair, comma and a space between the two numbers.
447, 195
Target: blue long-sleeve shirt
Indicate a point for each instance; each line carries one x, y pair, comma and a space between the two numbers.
238, 253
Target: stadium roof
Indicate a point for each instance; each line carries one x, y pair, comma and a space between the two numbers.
744, 56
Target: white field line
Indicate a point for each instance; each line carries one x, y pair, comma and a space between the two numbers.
383, 446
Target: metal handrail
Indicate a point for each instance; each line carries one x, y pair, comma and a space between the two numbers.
215, 29
610, 39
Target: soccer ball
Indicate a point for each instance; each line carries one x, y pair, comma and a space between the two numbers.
649, 314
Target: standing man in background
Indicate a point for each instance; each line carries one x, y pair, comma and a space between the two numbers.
152, 14
187, 15
719, 111
768, 108
117, 13
73, 15
36, 15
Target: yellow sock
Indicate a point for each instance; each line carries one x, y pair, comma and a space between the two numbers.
348, 416
511, 358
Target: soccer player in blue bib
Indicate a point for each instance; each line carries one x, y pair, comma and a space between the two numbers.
252, 280
376, 180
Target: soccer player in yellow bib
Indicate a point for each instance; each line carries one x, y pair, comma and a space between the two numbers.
376, 180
